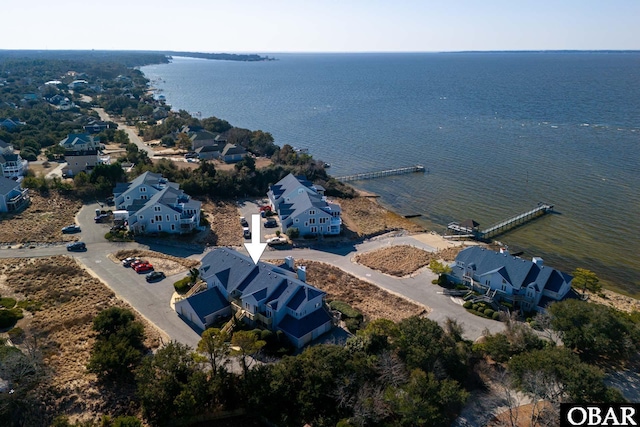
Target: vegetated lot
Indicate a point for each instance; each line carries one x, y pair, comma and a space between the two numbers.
168, 264
366, 217
68, 298
403, 260
224, 223
372, 301
41, 221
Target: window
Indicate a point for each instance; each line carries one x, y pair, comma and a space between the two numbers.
158, 218
176, 216
297, 220
156, 208
159, 227
323, 220
151, 221
173, 227
312, 220
168, 218
143, 189
143, 197
312, 212
314, 229
140, 216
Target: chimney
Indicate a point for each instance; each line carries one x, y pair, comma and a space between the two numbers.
290, 263
302, 273
537, 261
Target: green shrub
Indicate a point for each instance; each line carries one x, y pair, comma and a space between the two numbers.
489, 312
16, 334
507, 304
353, 324
346, 310
293, 233
475, 306
182, 286
435, 281
9, 317
30, 305
496, 315
7, 302
467, 305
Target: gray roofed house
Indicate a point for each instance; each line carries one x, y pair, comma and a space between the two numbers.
232, 153
10, 123
155, 204
261, 294
302, 205
13, 197
527, 285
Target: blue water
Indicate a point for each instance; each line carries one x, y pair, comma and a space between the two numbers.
498, 132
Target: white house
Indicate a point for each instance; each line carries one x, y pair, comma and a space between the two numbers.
11, 164
527, 285
260, 294
12, 197
301, 204
156, 205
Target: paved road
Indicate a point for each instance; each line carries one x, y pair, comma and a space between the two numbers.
133, 136
152, 300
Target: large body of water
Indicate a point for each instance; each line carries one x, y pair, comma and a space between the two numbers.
498, 132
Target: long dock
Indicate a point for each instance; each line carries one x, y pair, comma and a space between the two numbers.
380, 174
470, 230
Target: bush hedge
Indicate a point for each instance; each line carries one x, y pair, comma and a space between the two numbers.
496, 315
346, 310
7, 302
9, 317
182, 286
467, 305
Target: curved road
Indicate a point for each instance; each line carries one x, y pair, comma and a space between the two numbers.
152, 299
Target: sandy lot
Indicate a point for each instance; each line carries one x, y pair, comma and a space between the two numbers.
41, 221
70, 298
404, 260
373, 302
364, 216
224, 222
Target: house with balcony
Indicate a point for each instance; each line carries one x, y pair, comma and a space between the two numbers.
11, 165
13, 197
154, 204
82, 153
262, 295
301, 204
526, 285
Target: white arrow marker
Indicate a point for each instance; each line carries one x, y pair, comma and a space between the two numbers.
255, 248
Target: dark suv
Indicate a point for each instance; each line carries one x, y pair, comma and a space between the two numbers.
77, 247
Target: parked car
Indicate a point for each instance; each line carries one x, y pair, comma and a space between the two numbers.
77, 247
101, 217
154, 276
109, 201
71, 229
243, 222
143, 267
276, 241
246, 233
138, 261
130, 260
191, 155
270, 223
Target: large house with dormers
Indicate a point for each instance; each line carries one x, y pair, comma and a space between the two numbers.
301, 204
154, 204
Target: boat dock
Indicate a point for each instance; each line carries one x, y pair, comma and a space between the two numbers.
470, 229
380, 174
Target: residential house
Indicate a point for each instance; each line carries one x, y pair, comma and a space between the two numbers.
208, 152
262, 295
232, 153
154, 205
526, 285
203, 138
10, 123
11, 164
301, 204
82, 153
95, 126
12, 196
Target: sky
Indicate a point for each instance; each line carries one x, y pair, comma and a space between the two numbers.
272, 26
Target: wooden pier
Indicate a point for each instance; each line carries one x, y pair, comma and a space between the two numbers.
380, 174
468, 230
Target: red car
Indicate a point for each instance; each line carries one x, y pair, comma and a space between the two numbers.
143, 267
